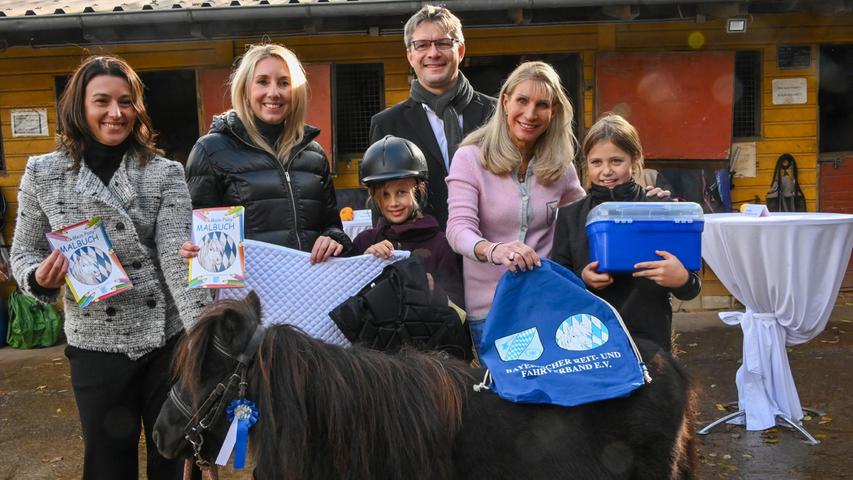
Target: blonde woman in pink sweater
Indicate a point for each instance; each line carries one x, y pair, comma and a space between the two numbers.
506, 182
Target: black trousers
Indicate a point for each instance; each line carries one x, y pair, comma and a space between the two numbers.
113, 394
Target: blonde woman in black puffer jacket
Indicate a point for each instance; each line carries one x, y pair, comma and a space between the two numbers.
263, 156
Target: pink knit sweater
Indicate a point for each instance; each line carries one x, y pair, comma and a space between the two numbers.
499, 208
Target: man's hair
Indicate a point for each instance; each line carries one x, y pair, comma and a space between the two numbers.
440, 16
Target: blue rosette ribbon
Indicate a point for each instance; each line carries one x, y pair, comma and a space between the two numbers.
242, 414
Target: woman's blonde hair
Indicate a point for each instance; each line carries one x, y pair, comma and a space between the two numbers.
554, 150
614, 128
241, 84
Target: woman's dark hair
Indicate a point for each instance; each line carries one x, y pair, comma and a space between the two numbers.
73, 129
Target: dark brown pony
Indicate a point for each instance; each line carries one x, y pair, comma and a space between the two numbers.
328, 412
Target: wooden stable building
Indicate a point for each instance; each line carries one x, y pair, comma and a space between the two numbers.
711, 85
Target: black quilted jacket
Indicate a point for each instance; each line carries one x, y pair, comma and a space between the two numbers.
288, 204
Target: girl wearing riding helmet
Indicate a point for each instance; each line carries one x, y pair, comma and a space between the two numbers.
395, 171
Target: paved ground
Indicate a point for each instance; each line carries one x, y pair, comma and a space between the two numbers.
40, 433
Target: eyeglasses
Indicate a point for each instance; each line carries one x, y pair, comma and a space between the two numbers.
441, 44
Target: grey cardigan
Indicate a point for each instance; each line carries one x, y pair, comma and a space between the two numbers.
146, 212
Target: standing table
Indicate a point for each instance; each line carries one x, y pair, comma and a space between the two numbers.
353, 227
786, 269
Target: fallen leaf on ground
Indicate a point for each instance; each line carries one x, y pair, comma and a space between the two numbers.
824, 420
720, 407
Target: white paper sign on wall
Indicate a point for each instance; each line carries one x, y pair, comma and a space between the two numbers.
789, 91
30, 122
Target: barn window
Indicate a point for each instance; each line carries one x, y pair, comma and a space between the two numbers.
747, 94
359, 94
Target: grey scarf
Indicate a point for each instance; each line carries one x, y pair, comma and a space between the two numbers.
447, 106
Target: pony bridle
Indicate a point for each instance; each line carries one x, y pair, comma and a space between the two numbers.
215, 403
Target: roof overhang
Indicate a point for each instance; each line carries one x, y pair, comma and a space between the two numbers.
208, 20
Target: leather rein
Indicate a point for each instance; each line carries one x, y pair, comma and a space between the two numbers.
215, 403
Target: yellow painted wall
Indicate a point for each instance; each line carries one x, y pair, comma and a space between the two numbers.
26, 78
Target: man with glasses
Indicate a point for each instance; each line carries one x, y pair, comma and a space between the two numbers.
442, 106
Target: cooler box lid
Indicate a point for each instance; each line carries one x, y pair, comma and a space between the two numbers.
628, 212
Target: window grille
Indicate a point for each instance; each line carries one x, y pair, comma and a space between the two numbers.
747, 94
359, 94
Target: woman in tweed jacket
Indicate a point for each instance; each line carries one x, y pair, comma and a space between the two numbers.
119, 349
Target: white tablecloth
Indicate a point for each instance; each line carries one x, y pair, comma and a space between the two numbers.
786, 270
353, 227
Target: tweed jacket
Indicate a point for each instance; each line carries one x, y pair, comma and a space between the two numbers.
146, 211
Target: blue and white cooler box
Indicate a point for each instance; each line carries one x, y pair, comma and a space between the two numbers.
549, 340
622, 234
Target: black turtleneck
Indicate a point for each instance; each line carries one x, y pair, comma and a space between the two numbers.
270, 131
104, 160
624, 192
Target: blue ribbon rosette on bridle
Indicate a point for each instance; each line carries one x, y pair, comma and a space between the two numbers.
242, 414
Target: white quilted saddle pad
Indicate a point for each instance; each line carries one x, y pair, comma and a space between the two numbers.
295, 292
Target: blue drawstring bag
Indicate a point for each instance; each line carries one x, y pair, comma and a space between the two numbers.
547, 339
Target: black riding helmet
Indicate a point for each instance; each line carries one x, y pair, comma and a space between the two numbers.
392, 158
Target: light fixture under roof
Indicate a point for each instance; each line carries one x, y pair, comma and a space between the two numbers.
736, 25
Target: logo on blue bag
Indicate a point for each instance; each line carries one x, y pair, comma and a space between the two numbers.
581, 332
524, 345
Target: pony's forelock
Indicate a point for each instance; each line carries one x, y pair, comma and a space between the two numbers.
192, 349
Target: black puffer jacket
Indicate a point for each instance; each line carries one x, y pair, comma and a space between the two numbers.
289, 205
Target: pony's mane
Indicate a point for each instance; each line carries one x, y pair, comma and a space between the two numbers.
333, 412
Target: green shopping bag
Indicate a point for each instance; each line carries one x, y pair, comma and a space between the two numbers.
32, 324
